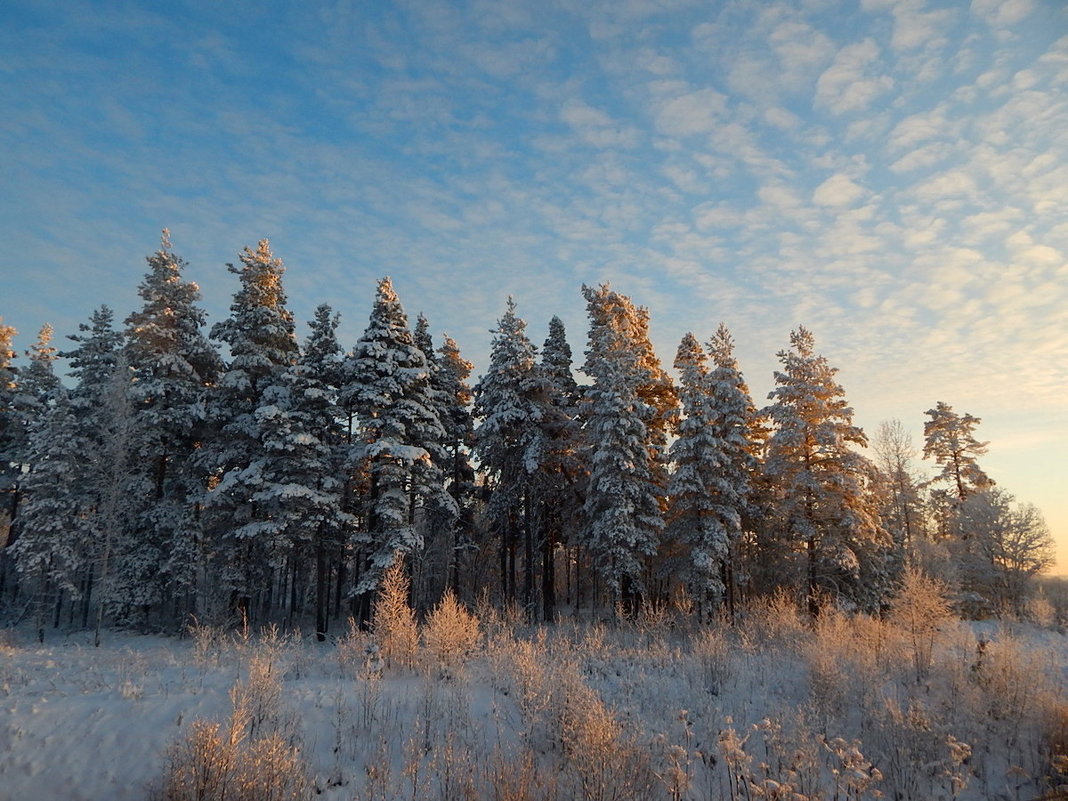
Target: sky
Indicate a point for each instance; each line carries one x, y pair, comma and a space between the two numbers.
891, 174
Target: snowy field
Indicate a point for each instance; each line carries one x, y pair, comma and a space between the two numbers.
656, 709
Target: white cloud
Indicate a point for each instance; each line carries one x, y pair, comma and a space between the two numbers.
853, 81
597, 128
1002, 13
926, 156
837, 191
693, 113
918, 128
782, 119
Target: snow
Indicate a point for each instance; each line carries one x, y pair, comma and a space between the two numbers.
91, 724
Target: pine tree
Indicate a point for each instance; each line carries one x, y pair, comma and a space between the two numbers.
260, 334
38, 383
387, 386
562, 475
52, 548
820, 483
92, 363
321, 366
449, 397
172, 366
714, 461
9, 426
741, 435
99, 403
509, 446
29, 400
10, 446
452, 377
950, 441
627, 482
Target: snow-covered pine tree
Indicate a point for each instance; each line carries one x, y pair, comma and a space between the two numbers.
626, 485
509, 445
37, 382
99, 404
740, 433
172, 365
949, 439
10, 446
823, 506
321, 367
52, 549
387, 386
705, 501
561, 479
30, 397
432, 574
458, 421
299, 487
260, 336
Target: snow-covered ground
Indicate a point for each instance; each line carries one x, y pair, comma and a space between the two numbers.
767, 709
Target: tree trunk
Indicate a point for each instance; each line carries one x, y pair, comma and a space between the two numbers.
321, 589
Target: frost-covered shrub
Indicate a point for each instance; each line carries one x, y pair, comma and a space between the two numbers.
775, 622
711, 658
213, 764
451, 633
393, 622
921, 609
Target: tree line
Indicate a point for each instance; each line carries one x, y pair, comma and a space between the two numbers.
278, 482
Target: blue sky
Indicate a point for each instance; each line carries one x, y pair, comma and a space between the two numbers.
891, 174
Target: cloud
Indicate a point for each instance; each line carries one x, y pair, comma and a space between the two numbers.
690, 114
853, 81
837, 191
1002, 13
597, 128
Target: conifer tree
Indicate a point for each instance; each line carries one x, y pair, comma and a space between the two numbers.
38, 382
824, 509
387, 385
52, 548
562, 476
950, 441
321, 366
99, 405
626, 485
713, 456
260, 336
172, 365
444, 524
741, 434
30, 398
10, 446
458, 421
509, 445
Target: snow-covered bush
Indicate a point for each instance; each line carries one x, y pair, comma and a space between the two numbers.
451, 633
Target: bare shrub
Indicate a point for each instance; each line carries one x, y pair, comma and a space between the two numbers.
776, 621
518, 777
1012, 685
600, 758
356, 654
208, 641
393, 622
451, 633
711, 655
921, 609
1055, 746
212, 764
